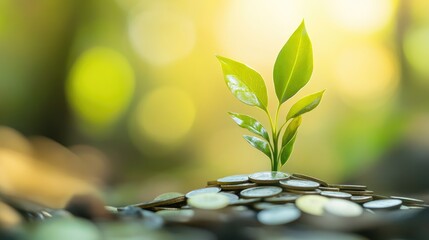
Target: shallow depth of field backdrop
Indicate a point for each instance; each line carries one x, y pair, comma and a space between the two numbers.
136, 84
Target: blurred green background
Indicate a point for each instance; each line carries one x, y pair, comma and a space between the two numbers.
138, 80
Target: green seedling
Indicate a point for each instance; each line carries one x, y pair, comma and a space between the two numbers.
292, 71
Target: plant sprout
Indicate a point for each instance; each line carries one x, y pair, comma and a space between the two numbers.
292, 71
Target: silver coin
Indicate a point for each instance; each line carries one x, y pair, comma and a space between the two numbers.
302, 176
234, 179
239, 186
182, 215
231, 197
203, 190
409, 200
261, 192
312, 204
268, 177
383, 204
168, 196
333, 194
299, 184
283, 197
361, 199
279, 215
349, 186
343, 208
243, 201
208, 201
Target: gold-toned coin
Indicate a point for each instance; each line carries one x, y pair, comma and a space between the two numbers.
212, 183
279, 215
343, 208
162, 200
408, 200
209, 201
312, 204
361, 199
359, 192
261, 192
283, 197
302, 176
304, 192
240, 186
235, 179
333, 194
203, 190
299, 184
383, 204
329, 189
268, 177
349, 186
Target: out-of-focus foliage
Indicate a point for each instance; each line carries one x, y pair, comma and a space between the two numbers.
138, 79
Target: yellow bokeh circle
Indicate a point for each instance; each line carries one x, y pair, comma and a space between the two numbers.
165, 115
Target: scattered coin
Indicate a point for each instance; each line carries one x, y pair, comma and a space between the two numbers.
343, 208
212, 183
361, 199
283, 198
231, 197
168, 196
203, 190
268, 177
264, 205
383, 204
261, 192
329, 189
244, 201
408, 200
302, 176
182, 215
208, 201
304, 192
279, 215
349, 186
299, 184
359, 192
240, 186
235, 179
312, 204
333, 194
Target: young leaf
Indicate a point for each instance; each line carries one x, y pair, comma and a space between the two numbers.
245, 83
304, 105
291, 129
294, 65
250, 124
287, 150
259, 144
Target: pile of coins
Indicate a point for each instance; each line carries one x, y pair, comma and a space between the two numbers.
263, 205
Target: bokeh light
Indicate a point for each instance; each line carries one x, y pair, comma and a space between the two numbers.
165, 115
363, 81
363, 16
100, 88
417, 55
162, 34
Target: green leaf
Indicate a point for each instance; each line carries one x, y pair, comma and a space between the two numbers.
250, 124
304, 105
291, 129
245, 83
287, 150
294, 65
259, 144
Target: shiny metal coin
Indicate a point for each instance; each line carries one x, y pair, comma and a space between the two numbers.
243, 201
240, 186
304, 192
268, 177
208, 201
283, 197
279, 215
408, 200
312, 204
299, 184
203, 190
333, 194
361, 199
343, 208
329, 189
261, 192
183, 215
235, 179
383, 204
349, 186
168, 196
231, 197
302, 176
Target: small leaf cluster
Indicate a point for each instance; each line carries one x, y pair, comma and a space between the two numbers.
292, 71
